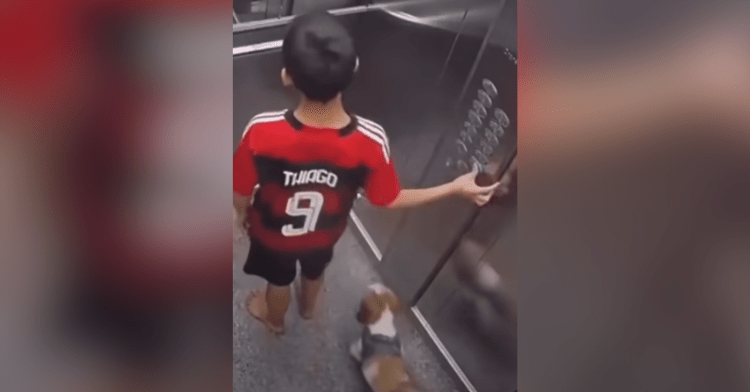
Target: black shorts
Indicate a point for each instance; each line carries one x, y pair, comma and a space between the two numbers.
280, 268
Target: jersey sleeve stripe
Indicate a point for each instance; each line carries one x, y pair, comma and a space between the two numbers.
380, 135
263, 118
269, 114
378, 130
375, 127
376, 139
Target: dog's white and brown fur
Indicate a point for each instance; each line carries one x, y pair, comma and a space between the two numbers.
379, 349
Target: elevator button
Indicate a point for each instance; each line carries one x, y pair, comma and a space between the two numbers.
461, 146
486, 148
474, 118
502, 117
489, 87
492, 140
479, 109
462, 166
485, 99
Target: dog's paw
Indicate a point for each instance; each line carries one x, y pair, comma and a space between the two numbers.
355, 350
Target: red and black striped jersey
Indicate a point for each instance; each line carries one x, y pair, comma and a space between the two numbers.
309, 178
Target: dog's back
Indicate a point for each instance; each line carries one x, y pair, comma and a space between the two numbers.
379, 348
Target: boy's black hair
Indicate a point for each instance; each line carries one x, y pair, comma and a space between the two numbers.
318, 54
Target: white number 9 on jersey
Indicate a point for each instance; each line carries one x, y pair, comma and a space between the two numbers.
310, 212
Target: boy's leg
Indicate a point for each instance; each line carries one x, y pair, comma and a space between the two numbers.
313, 268
277, 298
270, 305
309, 296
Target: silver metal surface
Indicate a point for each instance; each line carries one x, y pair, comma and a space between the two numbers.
452, 15
453, 48
481, 50
269, 23
441, 348
257, 48
373, 247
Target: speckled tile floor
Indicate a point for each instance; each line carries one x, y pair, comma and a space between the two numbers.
313, 355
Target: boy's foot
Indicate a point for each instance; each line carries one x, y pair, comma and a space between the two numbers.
258, 308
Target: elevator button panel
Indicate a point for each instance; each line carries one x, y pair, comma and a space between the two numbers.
481, 136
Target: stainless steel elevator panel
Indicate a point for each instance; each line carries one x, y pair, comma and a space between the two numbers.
396, 87
468, 327
425, 233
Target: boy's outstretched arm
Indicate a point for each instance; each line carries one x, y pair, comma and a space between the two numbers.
464, 186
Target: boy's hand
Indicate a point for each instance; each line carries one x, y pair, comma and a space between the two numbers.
240, 221
467, 187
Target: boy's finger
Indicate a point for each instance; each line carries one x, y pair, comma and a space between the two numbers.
489, 189
474, 169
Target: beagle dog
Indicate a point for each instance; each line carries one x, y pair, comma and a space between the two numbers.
379, 349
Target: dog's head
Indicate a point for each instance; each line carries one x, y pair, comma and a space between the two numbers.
378, 299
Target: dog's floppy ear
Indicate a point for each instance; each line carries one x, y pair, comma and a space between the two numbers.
370, 309
392, 301
363, 314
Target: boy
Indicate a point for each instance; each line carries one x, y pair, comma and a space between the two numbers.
309, 164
